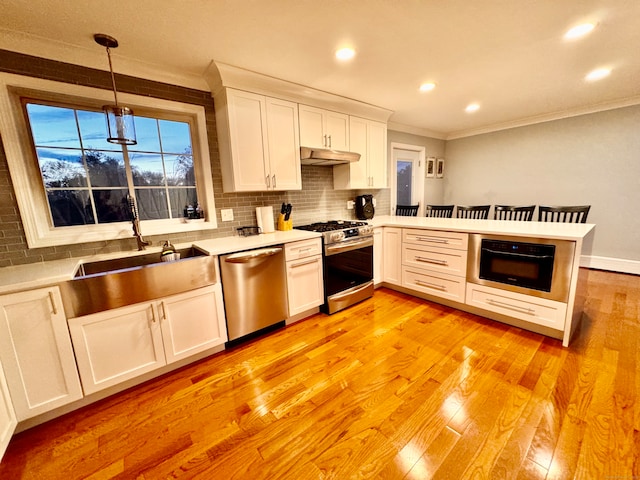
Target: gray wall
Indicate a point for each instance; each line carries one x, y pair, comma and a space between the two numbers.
433, 187
591, 159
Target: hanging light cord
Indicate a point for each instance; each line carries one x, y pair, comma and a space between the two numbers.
113, 78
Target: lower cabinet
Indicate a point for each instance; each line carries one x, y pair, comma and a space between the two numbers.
392, 255
121, 344
536, 310
8, 420
305, 286
36, 352
434, 283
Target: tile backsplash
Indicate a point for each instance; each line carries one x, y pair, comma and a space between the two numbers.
317, 201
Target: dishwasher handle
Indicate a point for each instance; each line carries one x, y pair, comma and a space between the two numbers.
246, 257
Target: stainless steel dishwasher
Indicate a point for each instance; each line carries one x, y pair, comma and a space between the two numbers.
254, 287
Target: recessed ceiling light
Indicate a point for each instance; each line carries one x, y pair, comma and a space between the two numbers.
345, 54
427, 87
579, 31
472, 107
597, 74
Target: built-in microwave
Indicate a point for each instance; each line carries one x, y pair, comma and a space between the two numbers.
533, 266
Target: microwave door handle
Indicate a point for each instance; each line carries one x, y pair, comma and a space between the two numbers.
516, 254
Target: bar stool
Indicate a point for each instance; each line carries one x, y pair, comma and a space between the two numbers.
511, 212
441, 211
474, 211
566, 214
407, 210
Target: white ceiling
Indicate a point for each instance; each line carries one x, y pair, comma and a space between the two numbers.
507, 55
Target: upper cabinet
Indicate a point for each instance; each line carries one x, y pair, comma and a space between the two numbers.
259, 142
369, 139
323, 128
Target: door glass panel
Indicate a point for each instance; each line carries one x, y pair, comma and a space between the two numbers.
404, 177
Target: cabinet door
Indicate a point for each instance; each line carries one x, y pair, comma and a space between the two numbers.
247, 132
312, 132
337, 131
284, 145
304, 284
358, 171
378, 249
8, 420
192, 322
377, 154
36, 352
117, 345
392, 255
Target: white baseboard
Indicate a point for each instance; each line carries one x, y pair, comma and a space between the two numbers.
608, 263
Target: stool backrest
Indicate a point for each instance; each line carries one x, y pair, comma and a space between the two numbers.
512, 212
407, 210
566, 214
473, 211
441, 211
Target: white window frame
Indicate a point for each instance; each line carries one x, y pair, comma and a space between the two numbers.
27, 180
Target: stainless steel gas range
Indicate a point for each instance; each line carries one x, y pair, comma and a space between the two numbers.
348, 262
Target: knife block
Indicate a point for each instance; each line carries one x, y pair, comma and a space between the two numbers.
283, 224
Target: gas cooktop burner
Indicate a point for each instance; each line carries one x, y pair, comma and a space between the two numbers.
332, 225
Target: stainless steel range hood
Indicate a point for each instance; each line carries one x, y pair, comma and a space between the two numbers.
324, 157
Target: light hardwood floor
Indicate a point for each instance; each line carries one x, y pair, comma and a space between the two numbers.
393, 388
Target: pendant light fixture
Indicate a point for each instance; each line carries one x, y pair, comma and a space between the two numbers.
120, 126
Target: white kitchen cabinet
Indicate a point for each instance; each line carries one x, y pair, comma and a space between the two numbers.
435, 262
323, 128
124, 343
305, 286
8, 419
369, 139
539, 311
117, 345
392, 255
192, 322
36, 352
378, 259
259, 142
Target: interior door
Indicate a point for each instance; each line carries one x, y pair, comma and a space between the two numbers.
408, 179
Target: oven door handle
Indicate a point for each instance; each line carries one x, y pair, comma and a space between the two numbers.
348, 246
352, 291
526, 255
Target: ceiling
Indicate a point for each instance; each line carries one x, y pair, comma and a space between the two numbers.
509, 56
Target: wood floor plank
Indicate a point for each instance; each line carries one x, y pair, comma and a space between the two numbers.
395, 387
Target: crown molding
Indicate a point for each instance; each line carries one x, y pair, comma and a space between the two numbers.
422, 132
576, 112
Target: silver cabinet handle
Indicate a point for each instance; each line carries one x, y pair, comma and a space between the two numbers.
53, 303
164, 312
431, 285
268, 181
516, 308
329, 141
324, 141
432, 239
274, 180
435, 261
153, 314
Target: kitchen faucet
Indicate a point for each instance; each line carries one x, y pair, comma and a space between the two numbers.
142, 243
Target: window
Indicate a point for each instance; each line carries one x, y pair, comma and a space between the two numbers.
72, 186
88, 180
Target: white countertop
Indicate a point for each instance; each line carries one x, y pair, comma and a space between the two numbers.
34, 275
561, 231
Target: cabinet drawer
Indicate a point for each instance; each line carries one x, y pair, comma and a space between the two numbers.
435, 259
531, 309
455, 240
436, 284
302, 249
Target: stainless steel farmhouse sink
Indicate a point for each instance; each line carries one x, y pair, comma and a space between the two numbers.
106, 284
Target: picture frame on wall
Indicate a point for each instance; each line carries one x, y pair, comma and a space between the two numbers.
440, 168
431, 167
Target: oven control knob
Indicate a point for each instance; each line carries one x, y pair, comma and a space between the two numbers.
366, 230
337, 236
